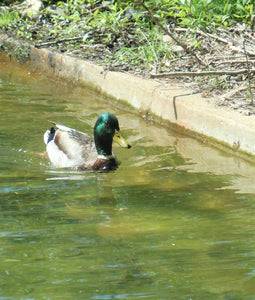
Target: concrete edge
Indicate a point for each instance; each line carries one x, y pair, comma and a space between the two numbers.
170, 103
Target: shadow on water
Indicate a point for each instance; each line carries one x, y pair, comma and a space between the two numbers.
174, 221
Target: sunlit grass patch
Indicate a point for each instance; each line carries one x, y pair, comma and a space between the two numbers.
8, 18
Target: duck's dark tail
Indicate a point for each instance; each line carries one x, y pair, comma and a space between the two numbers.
49, 135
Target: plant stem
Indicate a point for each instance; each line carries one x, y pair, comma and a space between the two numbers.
248, 73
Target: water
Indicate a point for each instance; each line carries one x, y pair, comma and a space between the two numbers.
174, 221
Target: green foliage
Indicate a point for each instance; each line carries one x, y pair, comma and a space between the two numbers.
125, 27
146, 45
149, 50
209, 13
192, 13
8, 18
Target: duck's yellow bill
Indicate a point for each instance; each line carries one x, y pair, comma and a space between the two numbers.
119, 139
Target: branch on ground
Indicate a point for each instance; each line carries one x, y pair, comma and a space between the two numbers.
203, 73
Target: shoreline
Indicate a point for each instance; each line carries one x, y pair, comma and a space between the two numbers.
173, 105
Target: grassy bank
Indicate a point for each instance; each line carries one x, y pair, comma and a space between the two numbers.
127, 26
159, 37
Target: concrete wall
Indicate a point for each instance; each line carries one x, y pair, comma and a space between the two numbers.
169, 102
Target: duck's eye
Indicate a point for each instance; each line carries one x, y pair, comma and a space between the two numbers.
106, 124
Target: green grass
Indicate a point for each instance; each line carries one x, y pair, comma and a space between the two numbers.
151, 51
208, 13
8, 18
195, 13
139, 40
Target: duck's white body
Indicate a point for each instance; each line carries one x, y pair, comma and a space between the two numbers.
69, 148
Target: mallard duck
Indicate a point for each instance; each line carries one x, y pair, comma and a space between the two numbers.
69, 148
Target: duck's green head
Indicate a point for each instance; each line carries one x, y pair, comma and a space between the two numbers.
106, 130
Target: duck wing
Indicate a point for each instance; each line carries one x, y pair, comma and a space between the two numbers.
68, 147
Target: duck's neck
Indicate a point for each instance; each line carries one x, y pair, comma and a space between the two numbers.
103, 147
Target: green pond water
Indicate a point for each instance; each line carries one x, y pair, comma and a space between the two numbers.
175, 221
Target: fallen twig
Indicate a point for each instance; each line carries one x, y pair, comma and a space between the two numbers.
231, 93
236, 49
241, 61
179, 42
208, 35
249, 36
249, 72
202, 73
77, 38
217, 38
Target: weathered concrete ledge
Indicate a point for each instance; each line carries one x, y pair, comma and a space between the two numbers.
169, 102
